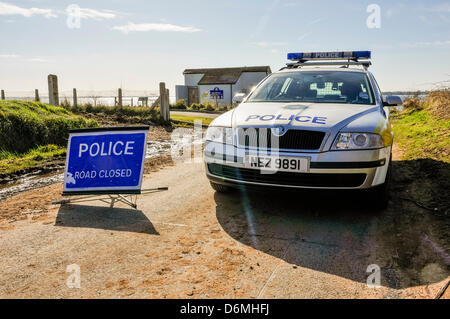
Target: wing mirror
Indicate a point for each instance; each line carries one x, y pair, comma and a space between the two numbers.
238, 98
392, 100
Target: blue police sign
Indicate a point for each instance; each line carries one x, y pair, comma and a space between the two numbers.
105, 160
216, 93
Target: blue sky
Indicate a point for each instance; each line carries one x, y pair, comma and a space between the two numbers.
137, 44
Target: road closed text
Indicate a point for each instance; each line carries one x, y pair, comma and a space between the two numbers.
112, 173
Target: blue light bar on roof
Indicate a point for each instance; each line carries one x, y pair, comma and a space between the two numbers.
329, 55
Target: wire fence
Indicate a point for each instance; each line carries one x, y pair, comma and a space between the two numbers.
105, 97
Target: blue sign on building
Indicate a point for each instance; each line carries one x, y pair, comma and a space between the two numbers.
216, 93
105, 160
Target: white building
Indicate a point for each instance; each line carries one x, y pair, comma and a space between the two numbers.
219, 85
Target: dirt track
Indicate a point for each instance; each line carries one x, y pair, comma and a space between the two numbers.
190, 242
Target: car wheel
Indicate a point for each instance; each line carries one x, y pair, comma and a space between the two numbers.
382, 192
220, 188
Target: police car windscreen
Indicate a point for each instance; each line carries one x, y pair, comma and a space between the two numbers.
316, 87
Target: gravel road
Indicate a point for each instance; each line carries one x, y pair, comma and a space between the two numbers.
189, 242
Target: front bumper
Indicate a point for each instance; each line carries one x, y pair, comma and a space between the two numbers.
350, 169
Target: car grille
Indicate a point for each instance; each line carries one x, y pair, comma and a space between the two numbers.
288, 178
291, 140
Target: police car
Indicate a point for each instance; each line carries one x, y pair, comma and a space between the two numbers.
320, 122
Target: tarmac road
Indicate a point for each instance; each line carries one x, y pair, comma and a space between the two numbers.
190, 242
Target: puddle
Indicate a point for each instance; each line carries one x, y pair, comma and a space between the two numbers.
28, 182
35, 180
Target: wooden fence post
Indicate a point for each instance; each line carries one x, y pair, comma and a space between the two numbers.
53, 94
120, 98
75, 97
36, 95
3, 94
168, 105
164, 102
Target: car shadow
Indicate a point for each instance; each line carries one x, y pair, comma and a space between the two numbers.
118, 219
341, 233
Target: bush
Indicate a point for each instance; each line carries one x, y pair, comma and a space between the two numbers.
65, 103
439, 103
89, 108
413, 103
207, 106
179, 105
25, 125
125, 114
195, 107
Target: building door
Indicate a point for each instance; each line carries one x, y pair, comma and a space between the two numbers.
193, 95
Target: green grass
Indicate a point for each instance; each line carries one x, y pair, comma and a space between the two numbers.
191, 119
24, 125
125, 114
422, 135
32, 133
12, 162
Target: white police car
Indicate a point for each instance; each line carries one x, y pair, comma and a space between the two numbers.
320, 122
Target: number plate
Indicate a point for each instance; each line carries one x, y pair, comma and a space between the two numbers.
277, 163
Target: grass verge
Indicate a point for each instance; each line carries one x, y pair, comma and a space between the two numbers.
109, 115
39, 156
32, 134
420, 132
24, 125
191, 119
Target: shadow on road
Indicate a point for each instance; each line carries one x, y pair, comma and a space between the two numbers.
119, 219
340, 233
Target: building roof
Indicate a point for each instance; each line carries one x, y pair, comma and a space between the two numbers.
225, 75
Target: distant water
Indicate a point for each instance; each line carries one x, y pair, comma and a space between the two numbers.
126, 100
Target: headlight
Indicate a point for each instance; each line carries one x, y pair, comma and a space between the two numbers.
355, 141
222, 135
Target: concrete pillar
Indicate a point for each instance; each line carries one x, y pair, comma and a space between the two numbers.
164, 102
36, 95
3, 94
120, 98
53, 94
75, 98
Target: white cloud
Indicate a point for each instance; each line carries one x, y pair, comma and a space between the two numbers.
10, 9
269, 44
87, 13
159, 27
8, 56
